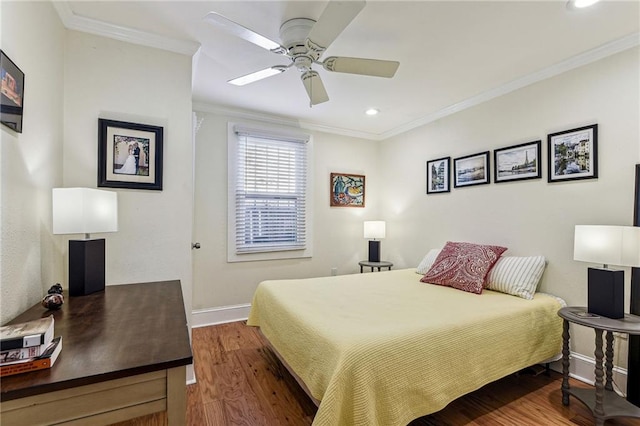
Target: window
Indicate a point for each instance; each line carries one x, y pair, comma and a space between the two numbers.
268, 209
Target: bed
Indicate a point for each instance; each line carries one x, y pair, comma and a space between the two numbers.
384, 348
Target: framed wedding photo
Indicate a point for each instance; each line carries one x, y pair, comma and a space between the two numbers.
471, 170
12, 98
517, 162
129, 155
573, 154
438, 173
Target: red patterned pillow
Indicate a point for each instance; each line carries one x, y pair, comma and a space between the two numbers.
463, 266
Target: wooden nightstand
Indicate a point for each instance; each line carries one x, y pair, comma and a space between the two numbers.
604, 403
381, 264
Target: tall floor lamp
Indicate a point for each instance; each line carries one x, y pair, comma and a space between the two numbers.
85, 211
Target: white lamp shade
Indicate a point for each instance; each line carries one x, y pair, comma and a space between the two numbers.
374, 229
607, 245
84, 211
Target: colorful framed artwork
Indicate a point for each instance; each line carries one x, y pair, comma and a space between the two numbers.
517, 162
12, 98
438, 174
471, 170
573, 154
129, 155
347, 190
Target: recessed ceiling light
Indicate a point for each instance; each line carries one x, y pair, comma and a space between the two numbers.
372, 111
580, 4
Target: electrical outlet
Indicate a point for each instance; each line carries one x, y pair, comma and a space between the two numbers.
334, 271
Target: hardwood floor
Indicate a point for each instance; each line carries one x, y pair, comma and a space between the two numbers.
241, 382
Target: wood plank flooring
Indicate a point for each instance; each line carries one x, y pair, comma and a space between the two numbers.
241, 382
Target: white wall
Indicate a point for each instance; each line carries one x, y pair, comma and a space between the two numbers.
105, 78
337, 231
529, 217
31, 162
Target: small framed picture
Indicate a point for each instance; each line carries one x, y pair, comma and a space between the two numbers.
438, 173
471, 170
129, 155
573, 154
12, 98
347, 190
517, 162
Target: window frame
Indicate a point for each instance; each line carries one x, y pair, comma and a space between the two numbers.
232, 156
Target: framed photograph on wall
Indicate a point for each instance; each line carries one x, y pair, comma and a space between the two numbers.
438, 174
517, 162
129, 155
573, 154
12, 98
471, 170
347, 190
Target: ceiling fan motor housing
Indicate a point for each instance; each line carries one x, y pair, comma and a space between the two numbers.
293, 34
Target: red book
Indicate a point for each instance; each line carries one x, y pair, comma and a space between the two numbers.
46, 360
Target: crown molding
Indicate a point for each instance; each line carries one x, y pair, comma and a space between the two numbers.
80, 23
585, 58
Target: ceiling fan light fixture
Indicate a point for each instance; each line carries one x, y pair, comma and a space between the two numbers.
372, 111
580, 4
250, 78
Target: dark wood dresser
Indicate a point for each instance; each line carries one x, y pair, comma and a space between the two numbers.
124, 355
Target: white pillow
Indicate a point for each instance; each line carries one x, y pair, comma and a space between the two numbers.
518, 276
428, 260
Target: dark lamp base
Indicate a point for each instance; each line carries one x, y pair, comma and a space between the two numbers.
374, 251
86, 266
606, 293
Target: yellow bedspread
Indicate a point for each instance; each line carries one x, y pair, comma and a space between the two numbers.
383, 348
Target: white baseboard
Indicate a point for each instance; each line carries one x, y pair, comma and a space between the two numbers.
221, 315
583, 368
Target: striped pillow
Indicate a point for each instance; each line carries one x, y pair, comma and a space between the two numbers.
518, 276
428, 260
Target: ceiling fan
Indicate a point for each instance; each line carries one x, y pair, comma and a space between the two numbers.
303, 42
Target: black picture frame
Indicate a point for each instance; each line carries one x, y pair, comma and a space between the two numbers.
129, 155
517, 162
573, 154
471, 170
439, 175
12, 98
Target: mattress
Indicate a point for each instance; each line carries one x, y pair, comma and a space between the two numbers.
383, 348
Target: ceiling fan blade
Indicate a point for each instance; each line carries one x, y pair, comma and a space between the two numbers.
258, 75
238, 30
315, 89
374, 67
334, 19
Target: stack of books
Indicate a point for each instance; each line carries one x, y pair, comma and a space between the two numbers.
28, 346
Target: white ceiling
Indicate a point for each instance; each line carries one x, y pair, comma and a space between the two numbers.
452, 54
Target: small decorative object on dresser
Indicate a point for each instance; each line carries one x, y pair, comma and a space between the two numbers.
471, 170
129, 155
438, 173
517, 162
573, 154
12, 93
347, 190
54, 298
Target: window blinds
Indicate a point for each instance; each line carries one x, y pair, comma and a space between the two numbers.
270, 192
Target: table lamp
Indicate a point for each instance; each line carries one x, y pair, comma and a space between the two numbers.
374, 229
85, 211
607, 245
